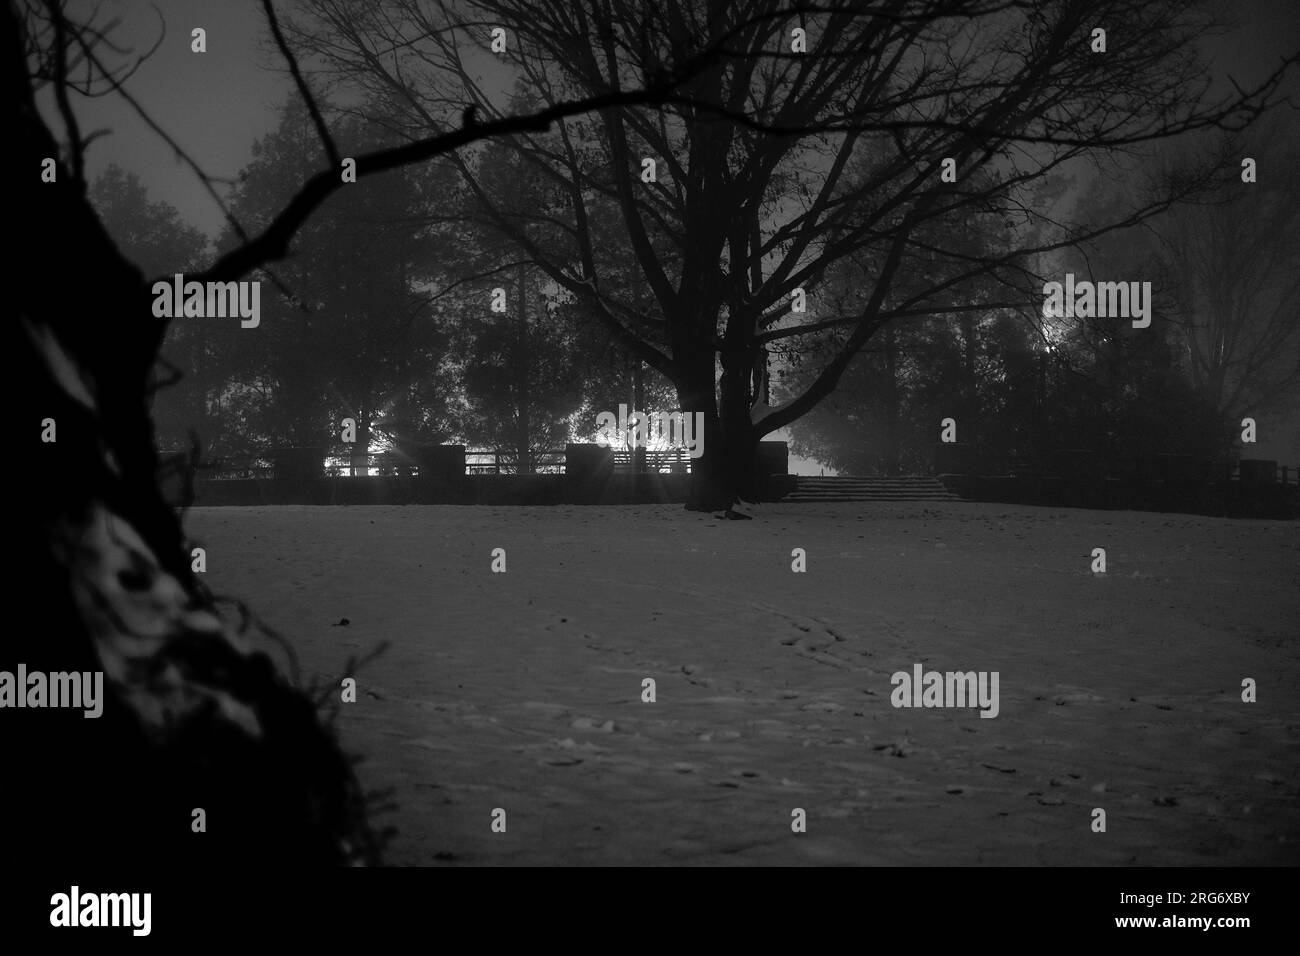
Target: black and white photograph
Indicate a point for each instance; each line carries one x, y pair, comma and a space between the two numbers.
652, 434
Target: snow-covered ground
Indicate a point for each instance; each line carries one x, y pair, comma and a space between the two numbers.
522, 691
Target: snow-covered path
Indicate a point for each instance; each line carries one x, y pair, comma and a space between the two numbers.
522, 690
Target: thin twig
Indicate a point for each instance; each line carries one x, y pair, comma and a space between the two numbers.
322, 130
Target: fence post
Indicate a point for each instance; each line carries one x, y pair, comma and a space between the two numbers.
442, 473
587, 471
1257, 471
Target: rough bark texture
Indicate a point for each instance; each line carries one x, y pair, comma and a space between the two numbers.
101, 581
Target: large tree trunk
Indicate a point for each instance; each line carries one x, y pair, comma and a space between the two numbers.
101, 582
739, 440
725, 473
710, 487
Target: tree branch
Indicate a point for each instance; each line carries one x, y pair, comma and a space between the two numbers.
327, 141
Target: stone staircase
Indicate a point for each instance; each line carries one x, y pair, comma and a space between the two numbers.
907, 488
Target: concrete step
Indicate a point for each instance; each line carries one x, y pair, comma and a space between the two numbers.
849, 488
827, 499
870, 488
870, 482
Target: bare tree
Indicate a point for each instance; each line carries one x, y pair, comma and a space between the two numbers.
772, 163
1231, 266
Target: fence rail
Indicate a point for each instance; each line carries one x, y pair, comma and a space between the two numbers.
481, 461
505, 462
265, 465
676, 461
276, 463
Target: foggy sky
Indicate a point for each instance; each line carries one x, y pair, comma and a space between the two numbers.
215, 104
